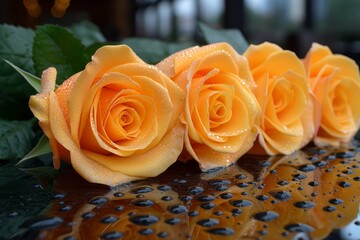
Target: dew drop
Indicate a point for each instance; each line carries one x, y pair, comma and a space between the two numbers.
210, 222
112, 235
195, 190
299, 227
88, 215
173, 221
142, 202
241, 176
346, 154
146, 231
177, 209
144, 220
266, 216
336, 201
299, 176
243, 185
58, 195
98, 200
163, 234
307, 168
13, 214
236, 212
241, 203
221, 231
186, 198
141, 190
119, 208
166, 198
40, 223
219, 182
281, 195
344, 184
164, 188
208, 205
330, 157
313, 183
205, 198
65, 208
348, 172
193, 213
321, 164
304, 204
118, 194
282, 183
109, 219
262, 197
226, 195
357, 179
329, 208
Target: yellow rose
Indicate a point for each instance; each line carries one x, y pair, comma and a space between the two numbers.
282, 91
221, 113
116, 121
335, 82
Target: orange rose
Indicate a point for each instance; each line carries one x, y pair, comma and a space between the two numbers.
115, 121
282, 91
335, 82
221, 113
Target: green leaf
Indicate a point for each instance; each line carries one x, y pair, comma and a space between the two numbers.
87, 32
232, 36
15, 46
55, 46
153, 51
34, 81
22, 198
150, 50
15, 138
41, 148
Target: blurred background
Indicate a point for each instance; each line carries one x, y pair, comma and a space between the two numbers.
293, 24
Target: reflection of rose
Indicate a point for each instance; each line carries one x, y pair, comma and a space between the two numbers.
220, 113
117, 119
335, 81
283, 93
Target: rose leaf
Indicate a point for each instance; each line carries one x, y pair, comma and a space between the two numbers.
15, 46
232, 36
55, 46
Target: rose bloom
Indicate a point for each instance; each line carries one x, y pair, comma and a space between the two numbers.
335, 82
115, 121
282, 91
221, 113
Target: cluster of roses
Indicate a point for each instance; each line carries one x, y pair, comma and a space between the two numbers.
121, 119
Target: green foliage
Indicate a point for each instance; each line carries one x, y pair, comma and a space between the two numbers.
232, 36
34, 81
153, 51
87, 32
15, 138
55, 46
16, 47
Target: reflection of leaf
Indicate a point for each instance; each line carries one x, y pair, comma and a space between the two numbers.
21, 198
15, 138
232, 36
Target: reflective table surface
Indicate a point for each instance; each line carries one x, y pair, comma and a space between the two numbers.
311, 194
